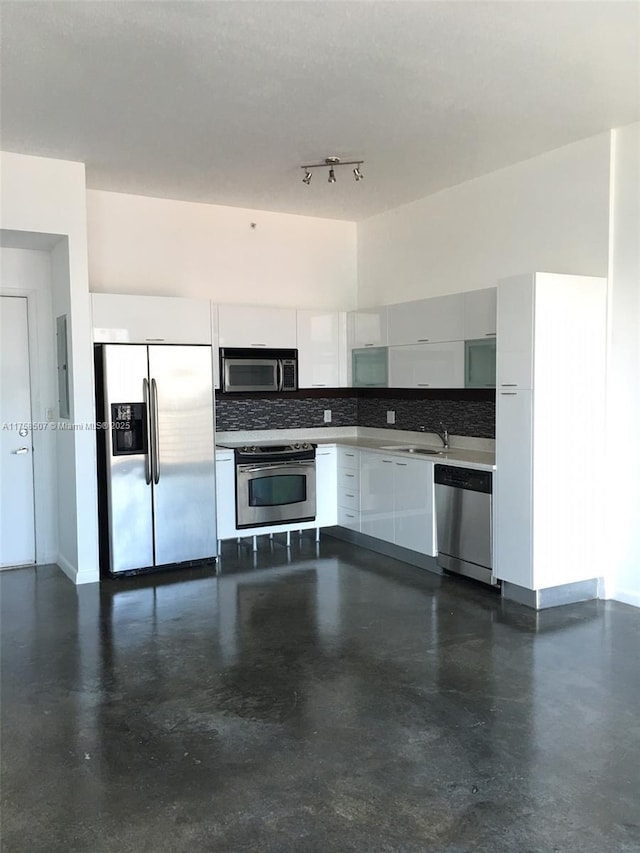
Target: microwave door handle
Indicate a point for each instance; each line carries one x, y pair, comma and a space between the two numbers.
280, 374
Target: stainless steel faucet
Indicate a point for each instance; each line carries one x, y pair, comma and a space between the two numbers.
443, 433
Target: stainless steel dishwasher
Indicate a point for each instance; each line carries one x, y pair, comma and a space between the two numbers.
463, 518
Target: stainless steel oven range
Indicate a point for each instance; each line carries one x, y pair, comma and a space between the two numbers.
275, 484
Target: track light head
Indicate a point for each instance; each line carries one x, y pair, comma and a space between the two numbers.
307, 177
332, 176
357, 173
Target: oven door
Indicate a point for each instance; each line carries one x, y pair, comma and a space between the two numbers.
249, 374
275, 493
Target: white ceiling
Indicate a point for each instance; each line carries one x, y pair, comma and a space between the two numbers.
223, 101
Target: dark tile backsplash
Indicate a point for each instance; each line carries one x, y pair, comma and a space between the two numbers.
462, 416
283, 412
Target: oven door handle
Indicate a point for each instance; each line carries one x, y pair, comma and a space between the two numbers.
272, 467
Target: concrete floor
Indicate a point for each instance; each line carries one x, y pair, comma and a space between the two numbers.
330, 701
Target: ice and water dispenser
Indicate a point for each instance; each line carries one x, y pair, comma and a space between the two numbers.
129, 428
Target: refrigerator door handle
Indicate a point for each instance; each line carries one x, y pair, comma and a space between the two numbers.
147, 405
155, 434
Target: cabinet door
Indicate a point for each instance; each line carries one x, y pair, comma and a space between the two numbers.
150, 319
319, 349
326, 486
225, 495
480, 313
367, 328
376, 496
257, 326
427, 366
480, 363
427, 320
514, 362
369, 368
513, 487
413, 509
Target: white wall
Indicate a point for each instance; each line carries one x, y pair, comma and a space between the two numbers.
40, 196
28, 273
161, 247
623, 376
547, 214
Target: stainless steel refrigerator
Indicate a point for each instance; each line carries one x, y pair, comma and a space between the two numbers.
155, 455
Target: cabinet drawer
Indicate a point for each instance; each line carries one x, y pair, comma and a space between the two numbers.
349, 499
348, 518
348, 458
348, 478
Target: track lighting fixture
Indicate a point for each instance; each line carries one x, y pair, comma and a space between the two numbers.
331, 163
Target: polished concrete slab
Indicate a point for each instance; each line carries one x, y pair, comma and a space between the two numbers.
322, 699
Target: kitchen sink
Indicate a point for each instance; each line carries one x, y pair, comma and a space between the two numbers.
410, 449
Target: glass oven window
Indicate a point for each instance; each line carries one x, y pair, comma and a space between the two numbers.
278, 491
251, 374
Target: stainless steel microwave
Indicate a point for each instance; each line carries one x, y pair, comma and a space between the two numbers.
251, 370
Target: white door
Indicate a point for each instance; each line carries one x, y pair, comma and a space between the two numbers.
17, 519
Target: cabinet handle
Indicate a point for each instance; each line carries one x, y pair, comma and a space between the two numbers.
349, 475
347, 495
489, 334
423, 384
349, 454
388, 461
257, 345
154, 340
423, 340
402, 464
508, 393
349, 516
319, 385
509, 385
368, 345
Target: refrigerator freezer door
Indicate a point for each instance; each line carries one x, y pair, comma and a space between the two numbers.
128, 495
184, 495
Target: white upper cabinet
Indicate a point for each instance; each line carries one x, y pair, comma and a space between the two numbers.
440, 318
480, 313
256, 326
514, 366
322, 345
367, 328
427, 366
118, 318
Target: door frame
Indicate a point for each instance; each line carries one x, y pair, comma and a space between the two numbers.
37, 436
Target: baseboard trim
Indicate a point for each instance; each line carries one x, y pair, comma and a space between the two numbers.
76, 577
625, 596
555, 596
388, 549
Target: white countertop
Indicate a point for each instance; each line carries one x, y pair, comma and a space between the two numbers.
476, 453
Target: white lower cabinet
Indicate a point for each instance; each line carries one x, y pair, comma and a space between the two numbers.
413, 506
396, 501
225, 494
326, 486
348, 488
376, 496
